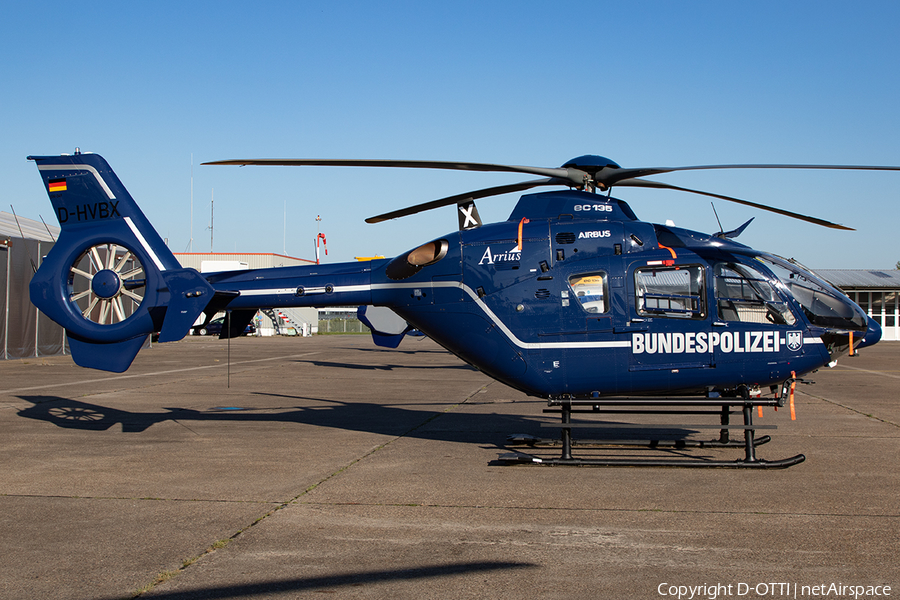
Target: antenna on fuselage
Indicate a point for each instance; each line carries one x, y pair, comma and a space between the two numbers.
212, 214
721, 229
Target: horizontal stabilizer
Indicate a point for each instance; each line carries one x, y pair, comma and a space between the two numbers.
190, 294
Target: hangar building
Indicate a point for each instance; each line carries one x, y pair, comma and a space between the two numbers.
876, 292
252, 260
24, 331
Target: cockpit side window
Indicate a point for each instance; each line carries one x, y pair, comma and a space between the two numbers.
676, 292
745, 295
590, 289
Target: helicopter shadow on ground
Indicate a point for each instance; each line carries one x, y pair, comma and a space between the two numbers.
436, 424
320, 412
329, 582
417, 352
383, 367
391, 366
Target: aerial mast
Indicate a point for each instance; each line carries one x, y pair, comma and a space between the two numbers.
191, 242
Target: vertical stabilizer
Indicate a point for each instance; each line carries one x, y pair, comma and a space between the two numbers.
109, 280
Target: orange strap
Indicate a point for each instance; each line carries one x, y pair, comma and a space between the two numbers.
851, 343
793, 385
521, 223
672, 252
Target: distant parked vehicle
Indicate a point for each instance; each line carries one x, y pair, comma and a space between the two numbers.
214, 327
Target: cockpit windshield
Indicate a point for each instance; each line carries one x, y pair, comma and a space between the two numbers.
823, 304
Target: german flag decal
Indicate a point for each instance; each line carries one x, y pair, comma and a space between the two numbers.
57, 185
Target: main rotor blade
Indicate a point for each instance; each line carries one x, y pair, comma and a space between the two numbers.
604, 177
665, 186
493, 191
574, 175
610, 177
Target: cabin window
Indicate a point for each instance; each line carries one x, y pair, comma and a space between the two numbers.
744, 294
676, 292
590, 289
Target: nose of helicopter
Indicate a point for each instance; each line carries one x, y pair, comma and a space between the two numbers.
873, 334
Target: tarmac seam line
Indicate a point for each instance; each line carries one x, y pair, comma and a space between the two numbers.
389, 442
153, 374
164, 576
851, 409
168, 575
144, 498
882, 373
602, 510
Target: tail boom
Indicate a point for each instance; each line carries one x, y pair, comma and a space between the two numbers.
110, 280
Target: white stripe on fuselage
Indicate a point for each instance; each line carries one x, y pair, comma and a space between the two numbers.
500, 324
474, 296
338, 289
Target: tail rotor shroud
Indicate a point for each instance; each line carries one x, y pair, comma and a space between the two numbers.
107, 283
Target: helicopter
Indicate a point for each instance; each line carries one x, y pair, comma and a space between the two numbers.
572, 299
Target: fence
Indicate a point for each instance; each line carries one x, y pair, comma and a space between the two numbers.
341, 325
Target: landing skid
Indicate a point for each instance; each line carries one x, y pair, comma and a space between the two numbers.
669, 438
518, 457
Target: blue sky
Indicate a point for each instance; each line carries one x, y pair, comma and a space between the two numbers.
149, 85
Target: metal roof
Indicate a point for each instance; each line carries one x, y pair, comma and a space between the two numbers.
254, 260
31, 229
861, 278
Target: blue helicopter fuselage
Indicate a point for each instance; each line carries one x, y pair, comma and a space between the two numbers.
574, 296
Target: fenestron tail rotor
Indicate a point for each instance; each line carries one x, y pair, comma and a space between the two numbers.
106, 283
589, 172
